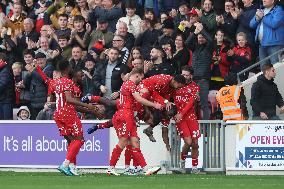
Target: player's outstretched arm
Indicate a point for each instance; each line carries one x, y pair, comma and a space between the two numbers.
188, 106
146, 102
70, 99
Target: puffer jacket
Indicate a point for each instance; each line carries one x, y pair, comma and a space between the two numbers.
7, 85
38, 88
265, 97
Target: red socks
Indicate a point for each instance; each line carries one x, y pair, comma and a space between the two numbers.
115, 156
183, 156
194, 161
95, 98
73, 150
138, 157
128, 155
71, 160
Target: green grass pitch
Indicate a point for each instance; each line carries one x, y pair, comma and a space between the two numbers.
13, 180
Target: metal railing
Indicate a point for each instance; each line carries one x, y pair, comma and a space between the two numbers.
213, 137
257, 64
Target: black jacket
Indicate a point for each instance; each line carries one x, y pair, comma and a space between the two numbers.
146, 41
7, 85
265, 96
230, 26
116, 81
201, 55
80, 65
129, 41
244, 19
180, 59
38, 88
163, 68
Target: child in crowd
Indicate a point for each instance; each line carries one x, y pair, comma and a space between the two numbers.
23, 113
240, 56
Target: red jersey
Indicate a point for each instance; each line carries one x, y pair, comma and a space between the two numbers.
60, 86
159, 83
184, 99
77, 91
126, 100
243, 52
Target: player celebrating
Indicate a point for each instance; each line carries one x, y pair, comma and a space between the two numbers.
66, 118
125, 125
186, 120
158, 88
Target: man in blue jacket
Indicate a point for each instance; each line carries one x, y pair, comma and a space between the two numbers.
269, 25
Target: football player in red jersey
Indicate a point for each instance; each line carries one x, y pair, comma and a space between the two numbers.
150, 116
66, 118
158, 88
125, 125
186, 120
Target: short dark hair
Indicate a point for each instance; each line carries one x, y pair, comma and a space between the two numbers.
130, 4
230, 1
64, 37
79, 18
63, 65
115, 48
266, 67
120, 36
29, 51
77, 46
180, 79
188, 69
63, 15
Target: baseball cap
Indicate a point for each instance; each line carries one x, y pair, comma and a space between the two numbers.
192, 11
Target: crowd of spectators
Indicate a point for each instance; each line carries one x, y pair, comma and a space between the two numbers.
104, 39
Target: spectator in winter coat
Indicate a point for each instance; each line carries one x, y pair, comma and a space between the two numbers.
269, 25
7, 90
147, 39
228, 21
246, 15
265, 95
108, 77
38, 88
158, 64
121, 29
23, 113
200, 43
240, 56
219, 66
131, 20
208, 17
109, 11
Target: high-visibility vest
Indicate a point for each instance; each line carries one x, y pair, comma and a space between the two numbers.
228, 97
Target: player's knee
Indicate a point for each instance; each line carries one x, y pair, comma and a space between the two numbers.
195, 144
188, 141
135, 144
122, 142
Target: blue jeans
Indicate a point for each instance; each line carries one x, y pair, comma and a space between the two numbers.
266, 51
6, 111
204, 91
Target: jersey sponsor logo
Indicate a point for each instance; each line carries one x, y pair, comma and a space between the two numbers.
182, 98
